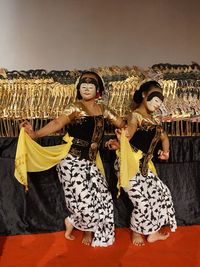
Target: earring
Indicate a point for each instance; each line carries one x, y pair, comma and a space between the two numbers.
97, 94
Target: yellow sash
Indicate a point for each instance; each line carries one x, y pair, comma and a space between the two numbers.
129, 162
32, 157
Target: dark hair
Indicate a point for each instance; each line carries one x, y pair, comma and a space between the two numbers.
94, 79
145, 87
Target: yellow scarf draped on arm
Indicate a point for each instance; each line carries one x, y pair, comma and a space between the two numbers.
32, 157
129, 162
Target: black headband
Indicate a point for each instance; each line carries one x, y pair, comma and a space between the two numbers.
88, 80
155, 94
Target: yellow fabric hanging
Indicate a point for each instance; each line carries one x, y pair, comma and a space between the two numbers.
129, 161
100, 164
32, 157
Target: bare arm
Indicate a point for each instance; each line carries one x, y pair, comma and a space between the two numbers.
164, 154
52, 127
165, 142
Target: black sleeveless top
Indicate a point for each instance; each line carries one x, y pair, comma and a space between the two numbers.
145, 138
88, 133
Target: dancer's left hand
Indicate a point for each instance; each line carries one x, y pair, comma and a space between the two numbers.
163, 155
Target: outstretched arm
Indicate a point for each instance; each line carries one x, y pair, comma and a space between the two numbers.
52, 127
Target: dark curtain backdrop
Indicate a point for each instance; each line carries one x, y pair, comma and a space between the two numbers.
42, 208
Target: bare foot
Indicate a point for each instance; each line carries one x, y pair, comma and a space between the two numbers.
157, 236
69, 228
87, 238
137, 239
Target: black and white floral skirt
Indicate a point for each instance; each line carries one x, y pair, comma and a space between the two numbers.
87, 198
152, 204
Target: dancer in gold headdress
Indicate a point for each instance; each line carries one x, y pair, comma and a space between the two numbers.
85, 187
151, 198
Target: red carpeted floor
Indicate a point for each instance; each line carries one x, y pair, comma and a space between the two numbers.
181, 249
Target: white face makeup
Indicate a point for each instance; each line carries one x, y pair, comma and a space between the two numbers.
154, 104
87, 91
